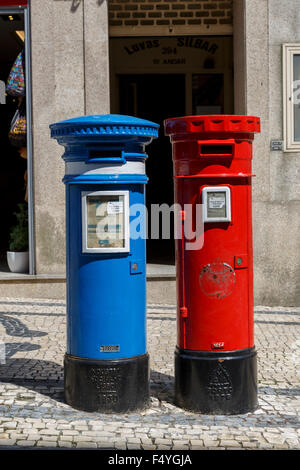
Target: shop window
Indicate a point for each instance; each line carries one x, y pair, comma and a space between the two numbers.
13, 141
291, 97
208, 93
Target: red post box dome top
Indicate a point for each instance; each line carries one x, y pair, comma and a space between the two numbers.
212, 124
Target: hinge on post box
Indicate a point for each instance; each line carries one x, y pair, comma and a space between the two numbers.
184, 312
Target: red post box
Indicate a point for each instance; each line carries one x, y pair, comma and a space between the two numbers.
215, 357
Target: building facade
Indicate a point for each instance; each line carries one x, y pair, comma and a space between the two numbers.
156, 59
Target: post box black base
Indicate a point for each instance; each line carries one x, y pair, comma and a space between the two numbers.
107, 386
217, 383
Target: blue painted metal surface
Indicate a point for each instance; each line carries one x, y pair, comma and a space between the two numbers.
106, 292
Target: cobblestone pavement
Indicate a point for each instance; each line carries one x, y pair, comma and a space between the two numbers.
33, 412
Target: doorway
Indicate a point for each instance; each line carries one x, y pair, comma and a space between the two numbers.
156, 97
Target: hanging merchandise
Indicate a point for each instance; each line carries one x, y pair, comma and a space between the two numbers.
18, 128
16, 80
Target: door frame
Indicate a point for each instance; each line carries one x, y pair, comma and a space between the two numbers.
25, 10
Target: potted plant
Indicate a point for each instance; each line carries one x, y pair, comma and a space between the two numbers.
18, 256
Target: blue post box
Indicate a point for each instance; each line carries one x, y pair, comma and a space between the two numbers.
106, 365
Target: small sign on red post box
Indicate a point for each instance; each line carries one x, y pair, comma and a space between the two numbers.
215, 357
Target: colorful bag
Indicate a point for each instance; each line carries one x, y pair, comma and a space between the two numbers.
16, 80
18, 128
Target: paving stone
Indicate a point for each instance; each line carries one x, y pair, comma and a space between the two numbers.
26, 443
65, 444
48, 444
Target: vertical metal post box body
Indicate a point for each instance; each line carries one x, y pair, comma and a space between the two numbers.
215, 357
106, 363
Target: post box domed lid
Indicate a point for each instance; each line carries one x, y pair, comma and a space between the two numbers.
105, 125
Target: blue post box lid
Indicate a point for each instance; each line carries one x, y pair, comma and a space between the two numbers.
104, 125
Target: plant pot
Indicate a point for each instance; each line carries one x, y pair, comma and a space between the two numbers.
18, 261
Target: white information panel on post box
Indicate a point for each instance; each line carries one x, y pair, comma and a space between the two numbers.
105, 222
216, 204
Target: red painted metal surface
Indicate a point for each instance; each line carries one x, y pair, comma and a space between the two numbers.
13, 3
215, 283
